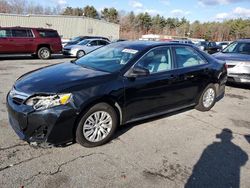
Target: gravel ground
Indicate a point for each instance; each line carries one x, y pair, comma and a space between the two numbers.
188, 148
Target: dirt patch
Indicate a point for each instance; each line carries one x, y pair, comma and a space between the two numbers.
58, 181
235, 96
168, 171
241, 123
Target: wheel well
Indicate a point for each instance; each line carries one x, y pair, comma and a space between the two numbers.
43, 45
107, 100
216, 85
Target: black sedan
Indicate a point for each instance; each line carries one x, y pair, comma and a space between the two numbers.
87, 99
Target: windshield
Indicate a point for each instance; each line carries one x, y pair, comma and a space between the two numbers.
110, 58
238, 47
84, 42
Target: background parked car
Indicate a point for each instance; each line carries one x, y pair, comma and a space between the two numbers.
237, 57
36, 41
78, 39
209, 47
119, 40
223, 44
84, 47
183, 41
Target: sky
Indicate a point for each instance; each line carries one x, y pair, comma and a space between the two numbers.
202, 10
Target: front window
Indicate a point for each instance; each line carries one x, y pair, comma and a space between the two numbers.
109, 58
5, 33
157, 60
238, 47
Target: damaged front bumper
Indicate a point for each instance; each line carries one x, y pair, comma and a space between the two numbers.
52, 126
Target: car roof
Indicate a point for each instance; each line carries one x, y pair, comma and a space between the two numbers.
141, 45
244, 40
18, 27
91, 39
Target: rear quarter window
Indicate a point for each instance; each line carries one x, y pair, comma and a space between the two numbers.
47, 34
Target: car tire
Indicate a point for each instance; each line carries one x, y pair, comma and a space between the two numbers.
97, 126
80, 54
44, 53
207, 98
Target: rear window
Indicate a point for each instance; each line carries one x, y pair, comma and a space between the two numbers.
47, 34
21, 33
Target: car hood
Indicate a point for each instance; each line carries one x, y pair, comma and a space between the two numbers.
231, 56
58, 78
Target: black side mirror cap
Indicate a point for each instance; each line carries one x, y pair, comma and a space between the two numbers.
137, 72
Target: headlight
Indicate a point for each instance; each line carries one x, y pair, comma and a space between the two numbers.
44, 102
73, 49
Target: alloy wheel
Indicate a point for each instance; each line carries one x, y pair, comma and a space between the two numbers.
97, 126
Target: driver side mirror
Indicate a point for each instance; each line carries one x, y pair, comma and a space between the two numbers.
89, 44
137, 72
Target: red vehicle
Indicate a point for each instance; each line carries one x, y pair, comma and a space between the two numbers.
39, 42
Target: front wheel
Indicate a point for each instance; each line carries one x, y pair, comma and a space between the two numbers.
80, 54
97, 126
44, 53
207, 99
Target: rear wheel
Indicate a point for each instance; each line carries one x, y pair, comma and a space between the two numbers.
44, 53
97, 126
80, 53
207, 99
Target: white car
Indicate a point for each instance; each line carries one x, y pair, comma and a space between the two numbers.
84, 47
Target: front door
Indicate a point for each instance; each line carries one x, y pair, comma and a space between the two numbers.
5, 46
22, 41
153, 93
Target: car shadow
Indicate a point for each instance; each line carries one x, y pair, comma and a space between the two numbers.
126, 127
219, 165
238, 85
29, 57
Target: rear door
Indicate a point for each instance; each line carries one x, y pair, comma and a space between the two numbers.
5, 46
192, 73
22, 40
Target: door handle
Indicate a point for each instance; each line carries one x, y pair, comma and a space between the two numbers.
173, 77
189, 76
